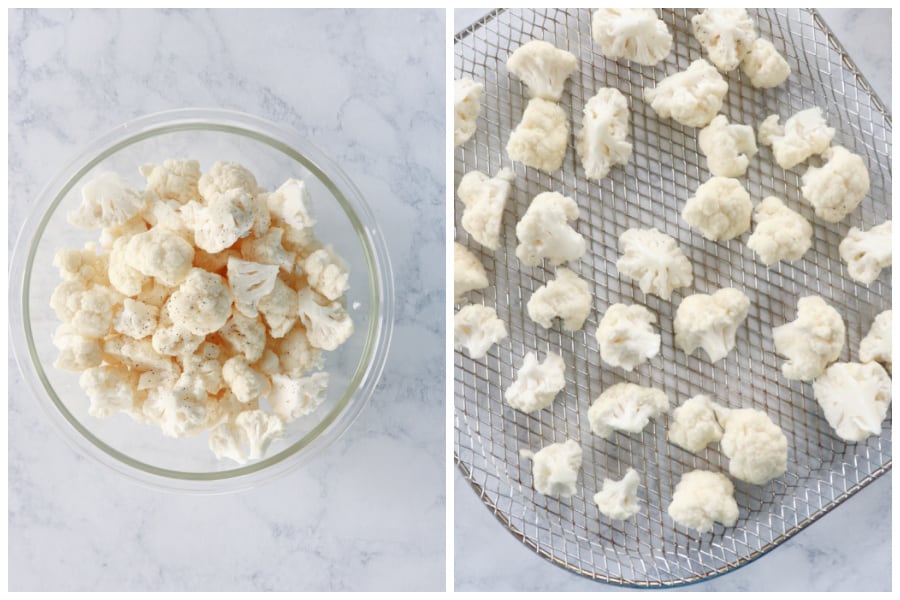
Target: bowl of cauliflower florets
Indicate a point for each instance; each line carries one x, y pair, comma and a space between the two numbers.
205, 300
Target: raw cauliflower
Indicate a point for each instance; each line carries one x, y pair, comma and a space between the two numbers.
544, 232
484, 199
728, 147
327, 323
245, 336
466, 108
838, 186
85, 265
76, 353
691, 97
567, 297
250, 282
110, 390
245, 382
803, 135
696, 424
259, 430
710, 322
468, 272
780, 234
619, 499
764, 65
626, 407
136, 319
635, 34
703, 498
876, 346
201, 304
268, 250
626, 336
89, 311
727, 35
655, 261
107, 200
327, 273
290, 205
279, 309
160, 254
600, 142
226, 218
174, 180
855, 398
541, 138
720, 209
867, 252
555, 468
536, 384
293, 398
543, 68
755, 446
476, 328
812, 341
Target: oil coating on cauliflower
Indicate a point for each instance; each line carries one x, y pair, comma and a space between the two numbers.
635, 34
618, 499
107, 200
780, 234
810, 342
180, 411
764, 65
484, 199
468, 272
476, 328
838, 186
268, 250
728, 147
555, 468
544, 232
537, 383
540, 139
703, 498
710, 322
466, 108
803, 135
691, 97
245, 336
727, 35
600, 142
855, 398
755, 446
696, 424
174, 179
867, 252
720, 209
655, 261
567, 297
626, 407
543, 68
626, 336
876, 346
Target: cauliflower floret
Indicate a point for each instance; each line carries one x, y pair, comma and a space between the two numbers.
296, 354
720, 209
201, 304
544, 232
655, 261
244, 381
250, 282
268, 250
154, 293
727, 34
289, 204
173, 179
619, 499
466, 108
83, 265
780, 234
876, 346
246, 336
769, 130
173, 340
327, 273
180, 411
89, 311
710, 322
160, 254
703, 498
468, 272
600, 142
803, 135
855, 398
567, 297
133, 226
259, 430
695, 424
691, 97
536, 384
476, 328
626, 407
292, 398
134, 354
107, 200
76, 353
206, 365
867, 252
838, 186
541, 138
543, 68
123, 277
279, 309
224, 220
812, 341
110, 390
756, 447
226, 442
166, 375
635, 34
555, 468
268, 363
223, 177
136, 319
728, 147
626, 336
167, 214
484, 199
327, 325
764, 65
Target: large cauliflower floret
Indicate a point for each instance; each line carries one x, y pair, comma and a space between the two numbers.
555, 468
838, 186
720, 209
626, 407
292, 398
206, 364
619, 499
466, 108
259, 430
296, 354
76, 353
484, 199
544, 232
327, 273
543, 68
567, 297
160, 254
468, 272
174, 179
180, 411
855, 398
173, 340
250, 282
780, 234
655, 261
476, 328
245, 336
764, 65
600, 142
202, 303
268, 250
876, 346
279, 309
867, 252
107, 200
703, 498
110, 390
89, 311
136, 319
756, 447
696, 424
327, 323
83, 265
541, 138
810, 342
246, 383
803, 135
225, 176
710, 322
226, 218
122, 276
626, 336
537, 383
691, 97
635, 34
727, 35
289, 204
728, 147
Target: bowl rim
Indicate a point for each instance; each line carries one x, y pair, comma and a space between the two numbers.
380, 315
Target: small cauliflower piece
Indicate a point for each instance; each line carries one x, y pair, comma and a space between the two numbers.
296, 354
468, 272
838, 186
855, 398
223, 177
695, 424
466, 108
691, 97
876, 346
543, 68
246, 383
279, 309
133, 226
720, 209
327, 273
867, 252
76, 353
484, 199
812, 341
135, 354
756, 447
567, 297
601, 141
626, 407
89, 311
476, 328
107, 200
626, 336
710, 322
83, 265
201, 304
764, 65
206, 364
289, 204
122, 276
728, 147
268, 250
173, 179
635, 34
703, 498
110, 390
803, 135
245, 335
160, 254
727, 35
540, 139
250, 282
327, 324
780, 234
259, 430
136, 319
544, 231
292, 398
655, 261
226, 218
618, 499
170, 339
555, 468
537, 384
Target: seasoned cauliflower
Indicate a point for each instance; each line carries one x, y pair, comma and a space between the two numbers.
626, 336
876, 346
173, 179
691, 97
327, 323
226, 218
201, 304
543, 68
655, 261
803, 135
468, 272
764, 65
544, 232
76, 353
466, 108
160, 254
292, 398
484, 199
289, 205
250, 282
172, 340
567, 297
720, 209
245, 336
245, 382
110, 390
838, 186
710, 322
107, 200
541, 138
326, 273
755, 446
867, 252
180, 411
476, 328
855, 398
296, 354
635, 34
600, 142
780, 234
536, 384
136, 319
728, 147
206, 364
727, 35
619, 499
626, 407
812, 341
696, 424
703, 498
279, 309
268, 250
555, 468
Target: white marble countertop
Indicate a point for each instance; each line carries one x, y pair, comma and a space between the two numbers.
367, 88
848, 549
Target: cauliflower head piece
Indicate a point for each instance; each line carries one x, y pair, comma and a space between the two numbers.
728, 147
476, 328
780, 234
812, 341
755, 446
567, 296
619, 499
876, 346
635, 34
691, 97
703, 498
537, 383
107, 200
541, 137
250, 282
838, 186
484, 199
626, 336
544, 231
764, 65
173, 180
327, 323
855, 398
696, 424
727, 35
110, 390
468, 272
293, 398
655, 261
710, 322
805, 134
720, 209
161, 254
867, 252
543, 68
201, 304
626, 407
466, 108
76, 353
555, 468
601, 141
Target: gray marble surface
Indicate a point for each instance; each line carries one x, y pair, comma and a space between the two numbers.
367, 87
848, 549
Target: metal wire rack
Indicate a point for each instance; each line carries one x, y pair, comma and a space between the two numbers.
665, 169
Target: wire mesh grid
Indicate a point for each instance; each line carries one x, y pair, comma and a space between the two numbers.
665, 169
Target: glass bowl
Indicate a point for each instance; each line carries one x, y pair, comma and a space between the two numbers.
273, 154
